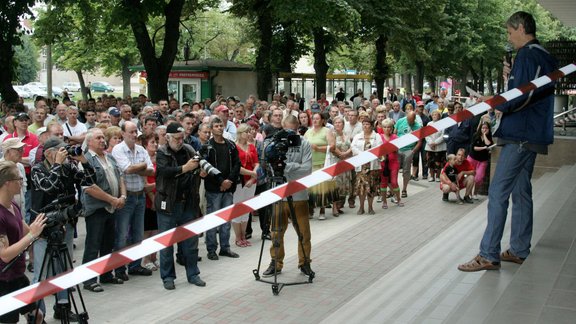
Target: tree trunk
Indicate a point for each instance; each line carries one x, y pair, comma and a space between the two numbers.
126, 74
263, 55
419, 86
320, 64
82, 82
157, 68
432, 82
490, 80
481, 77
380, 71
9, 95
408, 83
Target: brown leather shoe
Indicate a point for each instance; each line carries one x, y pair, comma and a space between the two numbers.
479, 263
509, 257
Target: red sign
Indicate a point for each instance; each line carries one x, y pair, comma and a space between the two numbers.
182, 75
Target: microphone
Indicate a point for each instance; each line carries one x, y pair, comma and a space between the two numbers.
509, 49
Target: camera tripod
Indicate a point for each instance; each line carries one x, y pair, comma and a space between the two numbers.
277, 227
57, 260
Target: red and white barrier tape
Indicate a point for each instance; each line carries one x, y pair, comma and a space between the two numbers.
112, 261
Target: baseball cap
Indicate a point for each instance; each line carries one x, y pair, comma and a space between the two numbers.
21, 115
53, 142
221, 108
12, 143
114, 112
420, 103
185, 104
174, 128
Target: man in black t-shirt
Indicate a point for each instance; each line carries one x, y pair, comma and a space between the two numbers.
223, 155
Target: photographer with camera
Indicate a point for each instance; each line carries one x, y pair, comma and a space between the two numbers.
55, 179
177, 202
15, 238
298, 164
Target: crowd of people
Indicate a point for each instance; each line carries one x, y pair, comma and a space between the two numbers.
134, 166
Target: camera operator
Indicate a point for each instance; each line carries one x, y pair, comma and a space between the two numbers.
298, 164
100, 201
177, 202
15, 237
56, 177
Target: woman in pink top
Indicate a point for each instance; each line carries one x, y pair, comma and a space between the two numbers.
390, 166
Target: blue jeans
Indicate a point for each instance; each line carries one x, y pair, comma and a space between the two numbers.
40, 247
130, 226
99, 239
512, 177
189, 246
216, 201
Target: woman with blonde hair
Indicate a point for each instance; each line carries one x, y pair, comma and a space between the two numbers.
246, 188
113, 137
320, 139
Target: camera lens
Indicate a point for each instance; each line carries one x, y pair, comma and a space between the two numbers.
74, 150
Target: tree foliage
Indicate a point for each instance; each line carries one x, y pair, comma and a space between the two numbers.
25, 61
10, 13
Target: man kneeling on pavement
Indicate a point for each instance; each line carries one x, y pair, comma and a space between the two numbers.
464, 178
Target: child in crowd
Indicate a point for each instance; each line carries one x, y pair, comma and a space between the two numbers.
452, 174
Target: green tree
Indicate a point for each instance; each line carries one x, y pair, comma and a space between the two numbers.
10, 13
26, 61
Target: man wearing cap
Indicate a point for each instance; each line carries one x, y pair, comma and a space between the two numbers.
12, 149
135, 164
229, 127
55, 178
177, 202
185, 106
114, 114
74, 130
36, 153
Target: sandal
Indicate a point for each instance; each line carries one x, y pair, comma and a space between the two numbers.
247, 243
404, 194
400, 204
94, 287
479, 263
240, 244
371, 212
509, 257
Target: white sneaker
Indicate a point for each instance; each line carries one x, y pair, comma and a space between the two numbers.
379, 199
430, 179
321, 217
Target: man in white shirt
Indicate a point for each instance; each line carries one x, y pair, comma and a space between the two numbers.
74, 130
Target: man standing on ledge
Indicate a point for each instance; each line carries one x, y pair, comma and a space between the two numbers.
526, 129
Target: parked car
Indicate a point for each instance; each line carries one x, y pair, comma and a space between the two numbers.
57, 91
22, 93
71, 86
36, 84
35, 91
101, 86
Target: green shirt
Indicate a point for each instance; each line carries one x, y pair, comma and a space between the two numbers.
402, 128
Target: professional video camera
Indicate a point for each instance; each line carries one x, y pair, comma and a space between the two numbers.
59, 212
275, 152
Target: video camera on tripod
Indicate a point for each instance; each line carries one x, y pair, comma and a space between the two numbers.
275, 152
58, 213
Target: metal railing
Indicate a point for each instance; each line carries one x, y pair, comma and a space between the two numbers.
565, 122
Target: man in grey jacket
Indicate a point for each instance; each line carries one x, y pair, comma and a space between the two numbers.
298, 165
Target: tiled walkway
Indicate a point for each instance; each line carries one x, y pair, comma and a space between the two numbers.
396, 266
